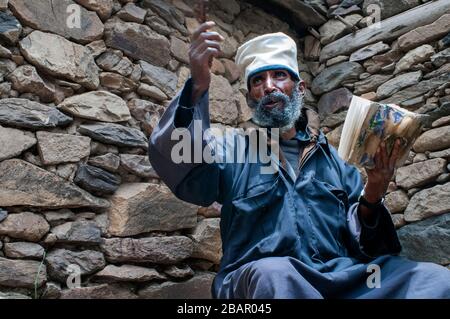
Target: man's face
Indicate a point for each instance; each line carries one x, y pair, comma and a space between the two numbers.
276, 98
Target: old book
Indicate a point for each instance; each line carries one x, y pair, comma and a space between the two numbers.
369, 123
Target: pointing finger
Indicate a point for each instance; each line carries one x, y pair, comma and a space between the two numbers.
202, 28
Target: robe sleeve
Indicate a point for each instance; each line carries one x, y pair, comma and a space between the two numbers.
367, 241
193, 180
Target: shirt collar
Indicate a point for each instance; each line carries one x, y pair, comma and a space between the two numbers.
304, 136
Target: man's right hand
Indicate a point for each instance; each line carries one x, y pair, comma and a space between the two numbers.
204, 47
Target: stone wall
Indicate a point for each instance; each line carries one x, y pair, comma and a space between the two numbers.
83, 83
404, 58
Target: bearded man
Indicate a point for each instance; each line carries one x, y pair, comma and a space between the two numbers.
309, 229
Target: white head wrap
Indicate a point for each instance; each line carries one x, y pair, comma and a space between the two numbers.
268, 52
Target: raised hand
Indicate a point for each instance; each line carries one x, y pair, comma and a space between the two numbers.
204, 47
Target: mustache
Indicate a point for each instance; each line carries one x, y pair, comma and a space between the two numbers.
270, 98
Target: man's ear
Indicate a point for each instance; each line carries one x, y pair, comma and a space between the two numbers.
302, 86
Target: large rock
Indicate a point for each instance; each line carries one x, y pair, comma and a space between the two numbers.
25, 79
179, 49
160, 250
59, 216
441, 58
104, 291
418, 55
419, 89
389, 8
444, 154
371, 83
27, 226
138, 108
79, 232
110, 162
98, 106
24, 250
158, 24
433, 140
138, 41
102, 7
10, 28
159, 77
222, 103
27, 114
63, 58
397, 201
332, 77
141, 208
132, 13
60, 263
198, 287
419, 174
333, 120
55, 148
166, 11
23, 184
96, 180
113, 61
138, 165
369, 51
60, 17
179, 272
115, 134
207, 241
429, 202
434, 112
398, 83
117, 83
425, 34
6, 67
334, 102
334, 29
151, 92
127, 273
427, 240
302, 13
443, 69
22, 273
13, 142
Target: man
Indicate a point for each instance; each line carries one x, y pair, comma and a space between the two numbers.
309, 229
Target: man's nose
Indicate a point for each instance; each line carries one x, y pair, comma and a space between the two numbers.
269, 85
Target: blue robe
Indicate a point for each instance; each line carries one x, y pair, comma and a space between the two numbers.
286, 235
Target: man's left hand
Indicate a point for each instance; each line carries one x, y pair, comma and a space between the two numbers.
378, 178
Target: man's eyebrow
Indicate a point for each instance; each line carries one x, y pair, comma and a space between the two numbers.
256, 77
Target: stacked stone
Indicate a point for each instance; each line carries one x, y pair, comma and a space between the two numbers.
82, 85
411, 69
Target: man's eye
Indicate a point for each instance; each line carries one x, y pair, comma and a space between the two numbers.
256, 80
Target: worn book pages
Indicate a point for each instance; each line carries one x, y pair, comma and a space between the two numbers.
369, 123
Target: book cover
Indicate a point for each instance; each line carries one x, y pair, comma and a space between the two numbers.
369, 123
